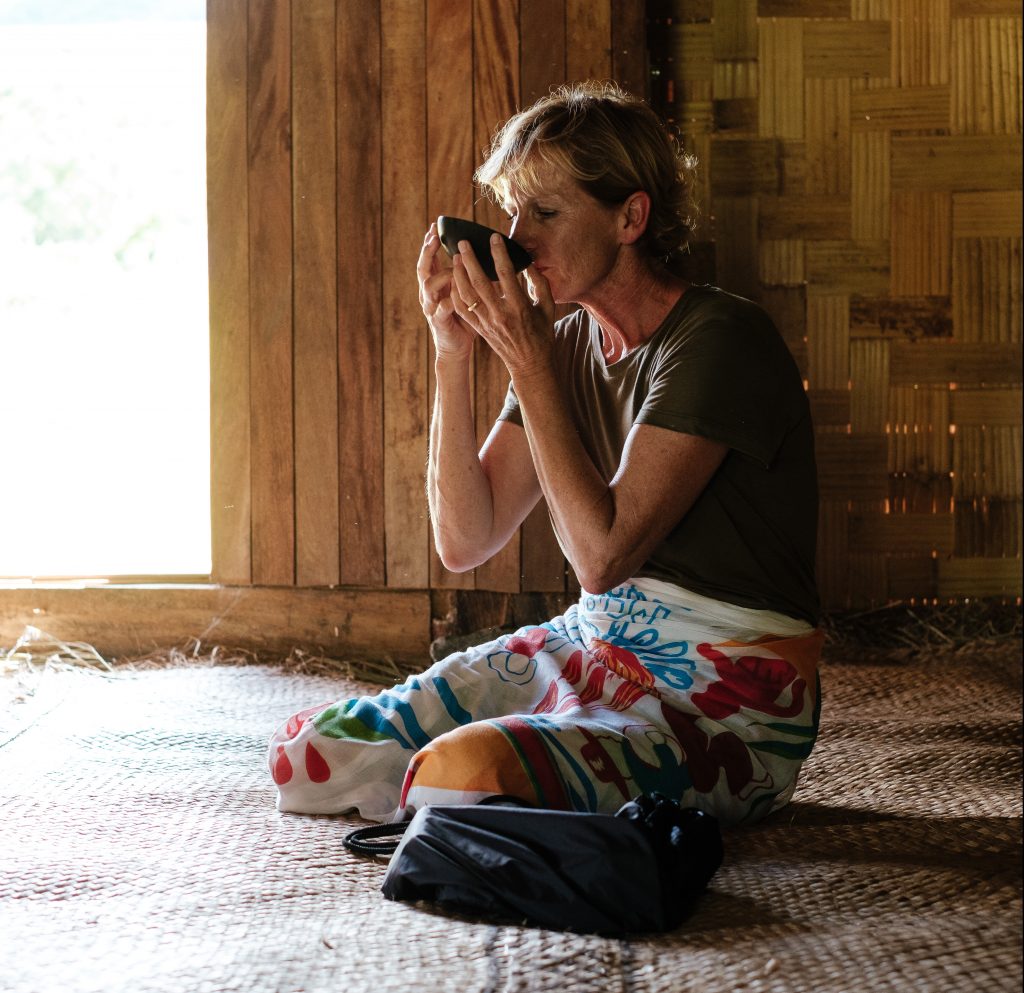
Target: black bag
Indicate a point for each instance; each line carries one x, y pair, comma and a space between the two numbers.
641, 870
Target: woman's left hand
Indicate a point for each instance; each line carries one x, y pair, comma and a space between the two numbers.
517, 326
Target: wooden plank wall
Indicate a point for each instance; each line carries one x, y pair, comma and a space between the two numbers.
337, 130
862, 179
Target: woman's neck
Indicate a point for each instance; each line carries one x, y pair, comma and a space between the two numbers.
631, 306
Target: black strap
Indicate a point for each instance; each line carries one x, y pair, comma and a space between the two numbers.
383, 839
377, 839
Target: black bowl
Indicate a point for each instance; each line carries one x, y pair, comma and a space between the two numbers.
452, 230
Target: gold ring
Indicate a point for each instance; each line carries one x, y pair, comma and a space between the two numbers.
473, 306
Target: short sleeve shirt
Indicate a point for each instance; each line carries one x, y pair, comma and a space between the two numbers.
718, 368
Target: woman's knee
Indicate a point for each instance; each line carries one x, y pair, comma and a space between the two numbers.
466, 765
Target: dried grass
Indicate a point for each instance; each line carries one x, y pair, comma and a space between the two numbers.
894, 632
902, 631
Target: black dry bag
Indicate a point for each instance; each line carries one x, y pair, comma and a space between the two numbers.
641, 870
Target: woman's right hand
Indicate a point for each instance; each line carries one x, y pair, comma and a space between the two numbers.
452, 337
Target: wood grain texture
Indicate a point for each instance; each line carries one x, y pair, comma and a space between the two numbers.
129, 621
921, 243
451, 157
542, 53
227, 208
920, 42
270, 295
314, 216
543, 60
977, 162
996, 214
986, 83
781, 83
861, 178
870, 186
495, 93
629, 56
360, 315
910, 108
803, 8
403, 129
902, 533
966, 364
987, 289
734, 29
588, 39
849, 49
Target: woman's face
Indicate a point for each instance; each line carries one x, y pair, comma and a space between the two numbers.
572, 237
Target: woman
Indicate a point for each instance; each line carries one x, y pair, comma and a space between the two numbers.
668, 430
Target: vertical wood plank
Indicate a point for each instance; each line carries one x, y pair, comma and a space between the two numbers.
360, 315
629, 58
496, 89
451, 157
542, 48
270, 294
228, 223
588, 39
314, 212
403, 74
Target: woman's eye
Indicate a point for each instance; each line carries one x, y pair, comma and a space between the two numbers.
545, 213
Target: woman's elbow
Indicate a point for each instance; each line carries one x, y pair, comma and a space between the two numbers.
455, 560
600, 577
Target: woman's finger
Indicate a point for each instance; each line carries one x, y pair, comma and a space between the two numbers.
482, 287
510, 287
427, 261
468, 294
540, 290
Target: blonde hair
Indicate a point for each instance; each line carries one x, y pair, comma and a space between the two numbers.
612, 144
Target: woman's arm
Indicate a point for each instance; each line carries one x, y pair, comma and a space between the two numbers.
607, 529
477, 500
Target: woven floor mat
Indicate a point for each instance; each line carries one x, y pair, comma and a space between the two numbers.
140, 851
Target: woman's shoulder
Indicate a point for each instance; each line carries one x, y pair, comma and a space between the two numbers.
713, 316
713, 303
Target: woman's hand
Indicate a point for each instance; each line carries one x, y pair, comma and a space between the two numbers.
452, 337
517, 326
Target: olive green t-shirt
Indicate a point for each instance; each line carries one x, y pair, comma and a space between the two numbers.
716, 367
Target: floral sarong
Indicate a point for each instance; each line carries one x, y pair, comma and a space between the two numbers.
646, 688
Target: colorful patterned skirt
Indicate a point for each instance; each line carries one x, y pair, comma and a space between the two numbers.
646, 688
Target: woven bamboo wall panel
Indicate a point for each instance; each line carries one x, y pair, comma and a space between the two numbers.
862, 179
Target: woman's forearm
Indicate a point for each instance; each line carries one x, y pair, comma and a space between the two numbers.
580, 501
458, 491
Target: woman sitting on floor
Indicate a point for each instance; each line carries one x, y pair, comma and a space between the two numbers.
667, 428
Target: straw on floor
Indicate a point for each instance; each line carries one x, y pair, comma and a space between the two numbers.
140, 850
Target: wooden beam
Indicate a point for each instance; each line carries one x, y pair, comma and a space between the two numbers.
127, 621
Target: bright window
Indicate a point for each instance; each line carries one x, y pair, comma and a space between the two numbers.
104, 328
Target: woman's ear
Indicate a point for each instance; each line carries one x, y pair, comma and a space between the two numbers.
636, 211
